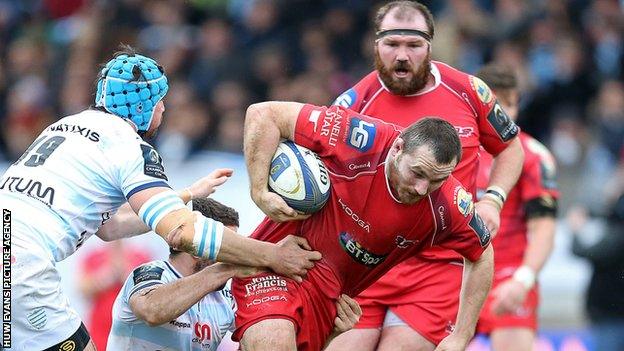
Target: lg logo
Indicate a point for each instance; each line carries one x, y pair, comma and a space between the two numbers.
362, 134
202, 332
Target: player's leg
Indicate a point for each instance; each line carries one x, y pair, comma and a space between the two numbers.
427, 310
397, 335
270, 335
366, 333
512, 339
356, 339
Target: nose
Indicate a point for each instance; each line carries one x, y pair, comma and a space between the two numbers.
401, 54
421, 186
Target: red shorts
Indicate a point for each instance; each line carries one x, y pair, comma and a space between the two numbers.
424, 294
271, 296
524, 317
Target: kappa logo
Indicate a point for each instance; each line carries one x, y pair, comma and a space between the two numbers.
361, 134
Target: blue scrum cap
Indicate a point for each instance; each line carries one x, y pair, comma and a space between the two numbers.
130, 86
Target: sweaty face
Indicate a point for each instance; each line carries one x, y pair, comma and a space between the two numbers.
403, 61
415, 175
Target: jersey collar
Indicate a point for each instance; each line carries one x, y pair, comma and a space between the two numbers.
436, 81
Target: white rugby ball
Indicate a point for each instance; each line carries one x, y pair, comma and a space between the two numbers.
299, 176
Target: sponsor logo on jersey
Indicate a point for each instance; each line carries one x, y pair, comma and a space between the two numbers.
354, 216
180, 324
441, 210
73, 128
503, 125
152, 162
403, 243
146, 273
332, 124
359, 253
264, 284
355, 167
202, 332
483, 91
463, 200
347, 99
31, 188
265, 299
361, 134
68, 345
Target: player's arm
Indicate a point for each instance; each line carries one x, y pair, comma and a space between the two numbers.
161, 303
165, 213
476, 282
125, 223
265, 124
506, 169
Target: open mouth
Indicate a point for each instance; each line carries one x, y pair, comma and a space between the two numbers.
401, 72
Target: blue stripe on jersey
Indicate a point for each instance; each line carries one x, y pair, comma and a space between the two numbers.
147, 186
202, 243
172, 270
213, 247
143, 286
167, 205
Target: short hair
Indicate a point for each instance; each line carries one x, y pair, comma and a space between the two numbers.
405, 8
498, 76
436, 133
213, 209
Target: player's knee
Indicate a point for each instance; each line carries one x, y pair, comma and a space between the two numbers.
512, 339
270, 335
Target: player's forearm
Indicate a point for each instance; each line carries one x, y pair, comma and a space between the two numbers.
507, 166
124, 224
241, 250
156, 306
541, 240
476, 283
262, 135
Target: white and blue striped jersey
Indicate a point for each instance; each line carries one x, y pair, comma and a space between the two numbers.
202, 327
73, 178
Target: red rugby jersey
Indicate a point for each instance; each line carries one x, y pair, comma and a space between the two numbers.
463, 100
363, 230
537, 180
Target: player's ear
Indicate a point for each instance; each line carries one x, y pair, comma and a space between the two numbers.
397, 146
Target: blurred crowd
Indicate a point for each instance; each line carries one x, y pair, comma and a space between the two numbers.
222, 55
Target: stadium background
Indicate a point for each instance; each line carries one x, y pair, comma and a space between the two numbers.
222, 55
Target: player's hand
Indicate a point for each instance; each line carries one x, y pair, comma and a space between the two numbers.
490, 215
207, 185
508, 297
348, 313
276, 208
294, 257
453, 342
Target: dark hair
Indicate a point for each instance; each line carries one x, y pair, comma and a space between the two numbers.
436, 133
498, 76
405, 12
213, 209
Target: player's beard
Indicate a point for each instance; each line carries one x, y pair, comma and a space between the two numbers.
404, 86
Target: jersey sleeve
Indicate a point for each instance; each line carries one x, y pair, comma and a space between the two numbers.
467, 233
496, 129
341, 135
143, 277
139, 167
538, 182
354, 97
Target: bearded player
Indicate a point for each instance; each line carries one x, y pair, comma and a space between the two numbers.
526, 235
414, 306
399, 184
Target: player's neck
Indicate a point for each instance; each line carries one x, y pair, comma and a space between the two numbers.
183, 263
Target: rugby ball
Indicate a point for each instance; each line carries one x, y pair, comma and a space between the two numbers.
299, 176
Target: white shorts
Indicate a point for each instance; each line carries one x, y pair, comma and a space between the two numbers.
41, 315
